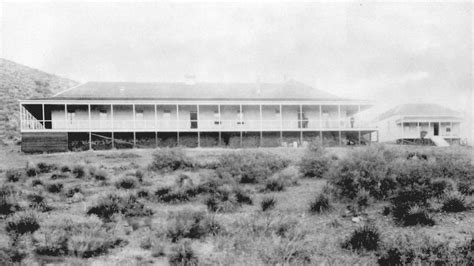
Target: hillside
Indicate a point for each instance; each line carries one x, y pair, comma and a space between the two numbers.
21, 82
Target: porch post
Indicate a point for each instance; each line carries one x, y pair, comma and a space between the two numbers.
261, 126
44, 122
339, 123
198, 130
134, 128
281, 125
177, 125
220, 124
451, 129
403, 129
301, 124
90, 126
321, 124
65, 116
418, 128
112, 117
429, 126
156, 128
241, 121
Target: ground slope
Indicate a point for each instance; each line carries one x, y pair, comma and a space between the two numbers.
21, 82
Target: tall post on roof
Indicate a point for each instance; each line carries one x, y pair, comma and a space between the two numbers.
177, 125
113, 131
90, 127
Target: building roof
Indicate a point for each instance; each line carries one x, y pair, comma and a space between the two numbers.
419, 110
291, 90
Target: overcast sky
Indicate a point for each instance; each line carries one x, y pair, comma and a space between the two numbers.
387, 52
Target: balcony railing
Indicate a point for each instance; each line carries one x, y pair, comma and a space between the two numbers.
192, 125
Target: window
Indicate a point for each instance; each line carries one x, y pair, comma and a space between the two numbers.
217, 118
71, 116
448, 130
240, 117
139, 114
166, 115
103, 114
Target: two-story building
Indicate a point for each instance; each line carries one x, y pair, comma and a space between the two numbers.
104, 115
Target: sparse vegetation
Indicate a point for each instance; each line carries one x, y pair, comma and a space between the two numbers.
320, 204
169, 160
268, 203
366, 238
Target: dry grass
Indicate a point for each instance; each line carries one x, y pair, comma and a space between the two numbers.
246, 236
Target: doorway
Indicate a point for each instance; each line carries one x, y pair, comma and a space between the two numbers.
435, 129
193, 118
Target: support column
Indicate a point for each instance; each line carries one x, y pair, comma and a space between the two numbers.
241, 121
90, 126
177, 125
418, 129
113, 131
198, 130
339, 123
134, 128
281, 125
451, 130
429, 126
44, 119
65, 117
220, 124
321, 124
156, 128
403, 133
261, 127
359, 137
340, 138
301, 125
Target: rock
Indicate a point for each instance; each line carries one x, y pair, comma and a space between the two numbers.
357, 219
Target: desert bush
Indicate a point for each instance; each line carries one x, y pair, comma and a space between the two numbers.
440, 186
221, 201
363, 199
143, 193
314, 162
242, 196
250, 166
139, 175
21, 223
65, 169
171, 195
170, 160
274, 184
14, 175
190, 224
31, 170
416, 216
465, 187
54, 187
127, 205
182, 254
126, 182
320, 204
285, 251
98, 174
289, 175
366, 238
46, 167
268, 203
59, 176
36, 182
38, 202
454, 202
8, 205
79, 171
73, 190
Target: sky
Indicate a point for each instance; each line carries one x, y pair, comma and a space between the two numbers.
387, 52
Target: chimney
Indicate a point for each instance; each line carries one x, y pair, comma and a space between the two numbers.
190, 79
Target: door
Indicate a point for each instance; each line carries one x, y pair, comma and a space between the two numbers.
436, 129
193, 118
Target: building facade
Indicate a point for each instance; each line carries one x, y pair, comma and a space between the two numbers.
104, 115
413, 123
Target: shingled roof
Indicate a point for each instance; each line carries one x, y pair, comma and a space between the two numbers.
291, 90
420, 110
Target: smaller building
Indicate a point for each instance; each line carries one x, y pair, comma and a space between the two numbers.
420, 123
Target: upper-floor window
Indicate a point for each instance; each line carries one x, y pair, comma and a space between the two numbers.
448, 130
103, 114
71, 116
139, 114
166, 115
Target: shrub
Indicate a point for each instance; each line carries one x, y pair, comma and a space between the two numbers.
139, 175
417, 216
111, 204
320, 204
79, 171
38, 202
407, 206
21, 223
314, 163
466, 188
440, 186
289, 175
363, 199
45, 167
126, 183
98, 174
221, 201
32, 170
182, 254
73, 190
363, 238
171, 195
143, 193
190, 224
59, 176
274, 184
170, 160
36, 182
454, 203
268, 203
65, 169
249, 166
54, 187
8, 205
13, 175
242, 197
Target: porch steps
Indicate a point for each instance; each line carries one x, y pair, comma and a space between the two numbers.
439, 141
